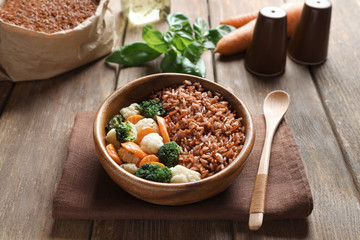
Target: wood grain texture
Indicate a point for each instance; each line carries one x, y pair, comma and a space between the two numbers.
332, 188
5, 88
338, 81
324, 116
35, 125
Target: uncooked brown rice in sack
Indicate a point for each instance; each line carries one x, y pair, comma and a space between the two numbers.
63, 38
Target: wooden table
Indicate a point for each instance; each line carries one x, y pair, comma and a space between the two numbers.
324, 116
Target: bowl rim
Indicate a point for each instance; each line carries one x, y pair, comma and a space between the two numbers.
227, 171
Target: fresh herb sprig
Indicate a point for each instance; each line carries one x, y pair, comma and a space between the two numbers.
182, 45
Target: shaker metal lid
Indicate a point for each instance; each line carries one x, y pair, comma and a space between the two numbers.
320, 4
273, 12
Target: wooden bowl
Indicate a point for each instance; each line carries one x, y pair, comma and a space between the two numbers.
168, 193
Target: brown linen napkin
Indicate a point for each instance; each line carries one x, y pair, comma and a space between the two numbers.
85, 191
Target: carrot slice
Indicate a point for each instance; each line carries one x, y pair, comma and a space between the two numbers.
113, 154
143, 132
158, 163
134, 118
134, 148
163, 129
148, 159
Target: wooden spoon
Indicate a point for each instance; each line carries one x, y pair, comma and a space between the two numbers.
276, 104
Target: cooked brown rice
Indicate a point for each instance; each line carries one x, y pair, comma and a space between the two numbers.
204, 125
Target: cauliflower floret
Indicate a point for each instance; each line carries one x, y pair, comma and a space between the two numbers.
130, 110
181, 174
128, 157
111, 138
147, 122
129, 167
151, 143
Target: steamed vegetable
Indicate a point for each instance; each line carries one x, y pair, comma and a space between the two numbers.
149, 159
151, 108
125, 132
181, 174
130, 110
151, 143
134, 119
182, 45
154, 172
134, 149
114, 121
113, 154
111, 138
143, 132
169, 154
128, 156
163, 129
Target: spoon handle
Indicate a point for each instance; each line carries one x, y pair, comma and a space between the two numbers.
276, 104
257, 206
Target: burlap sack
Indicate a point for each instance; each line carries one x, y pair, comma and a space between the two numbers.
29, 55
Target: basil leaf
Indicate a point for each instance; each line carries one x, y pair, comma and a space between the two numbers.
172, 62
201, 29
225, 29
197, 68
168, 36
179, 22
182, 40
133, 54
193, 51
176, 18
217, 33
201, 68
154, 39
209, 45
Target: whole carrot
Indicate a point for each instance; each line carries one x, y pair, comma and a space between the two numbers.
239, 40
240, 20
236, 41
293, 12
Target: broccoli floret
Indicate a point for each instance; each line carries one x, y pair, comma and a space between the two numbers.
169, 153
125, 132
154, 172
151, 108
116, 120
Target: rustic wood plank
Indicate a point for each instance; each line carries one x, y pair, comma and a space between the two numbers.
5, 88
338, 81
335, 198
162, 230
35, 125
159, 229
